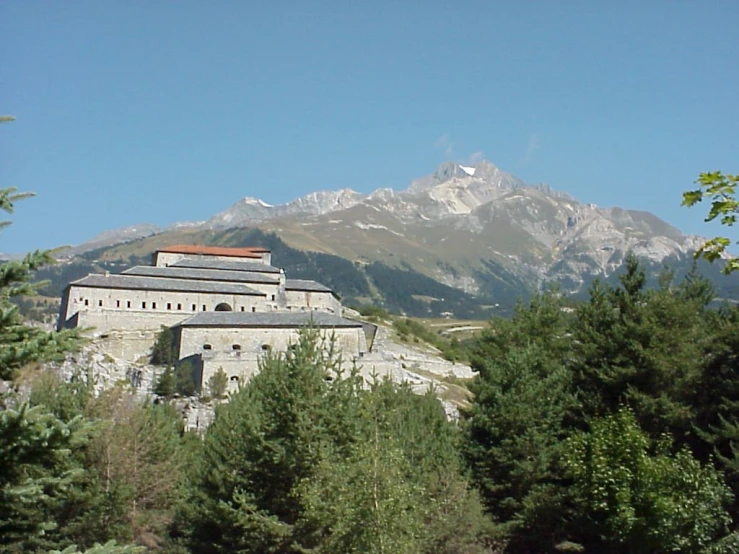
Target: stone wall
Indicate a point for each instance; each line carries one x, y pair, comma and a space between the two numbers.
164, 259
108, 309
324, 301
191, 340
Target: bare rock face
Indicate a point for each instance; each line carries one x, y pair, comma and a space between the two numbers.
249, 210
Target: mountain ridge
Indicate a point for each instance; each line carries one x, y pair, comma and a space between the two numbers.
465, 226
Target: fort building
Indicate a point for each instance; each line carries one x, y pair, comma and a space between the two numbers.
227, 307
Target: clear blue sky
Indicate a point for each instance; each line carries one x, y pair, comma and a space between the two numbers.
160, 111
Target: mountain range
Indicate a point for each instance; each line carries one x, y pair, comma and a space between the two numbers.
473, 229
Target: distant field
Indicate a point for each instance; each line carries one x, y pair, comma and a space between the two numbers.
461, 329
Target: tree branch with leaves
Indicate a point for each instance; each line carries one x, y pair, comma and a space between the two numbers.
720, 189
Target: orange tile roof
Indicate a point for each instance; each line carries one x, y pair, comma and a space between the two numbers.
249, 252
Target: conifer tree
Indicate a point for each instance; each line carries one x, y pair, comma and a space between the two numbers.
36, 471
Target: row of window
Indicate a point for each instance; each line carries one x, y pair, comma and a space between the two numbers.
144, 306
237, 347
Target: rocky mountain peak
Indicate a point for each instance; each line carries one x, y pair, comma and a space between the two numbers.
483, 171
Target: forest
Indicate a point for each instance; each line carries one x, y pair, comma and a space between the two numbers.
607, 426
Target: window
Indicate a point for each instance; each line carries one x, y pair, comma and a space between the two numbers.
266, 347
87, 302
128, 304
179, 306
143, 305
194, 307
169, 305
236, 347
203, 307
242, 308
253, 308
117, 303
100, 303
207, 347
234, 378
153, 305
273, 297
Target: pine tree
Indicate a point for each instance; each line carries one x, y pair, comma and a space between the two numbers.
21, 344
166, 384
36, 470
642, 348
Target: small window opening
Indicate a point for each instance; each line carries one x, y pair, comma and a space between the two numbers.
117, 303
236, 347
242, 308
87, 302
234, 378
143, 305
207, 347
128, 304
100, 303
266, 347
253, 308
179, 306
203, 307
194, 307
169, 305
153, 305
273, 297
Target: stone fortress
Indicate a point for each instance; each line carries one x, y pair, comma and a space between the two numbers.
227, 307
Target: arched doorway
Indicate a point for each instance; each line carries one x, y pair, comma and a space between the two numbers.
223, 307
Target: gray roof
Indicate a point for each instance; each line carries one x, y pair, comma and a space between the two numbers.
135, 282
268, 319
203, 274
226, 265
304, 284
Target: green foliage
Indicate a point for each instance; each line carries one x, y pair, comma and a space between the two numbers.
136, 460
166, 383
184, 382
177, 380
374, 313
630, 500
451, 350
303, 458
110, 547
260, 446
548, 373
35, 472
218, 384
364, 502
640, 347
66, 400
514, 432
720, 189
164, 352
